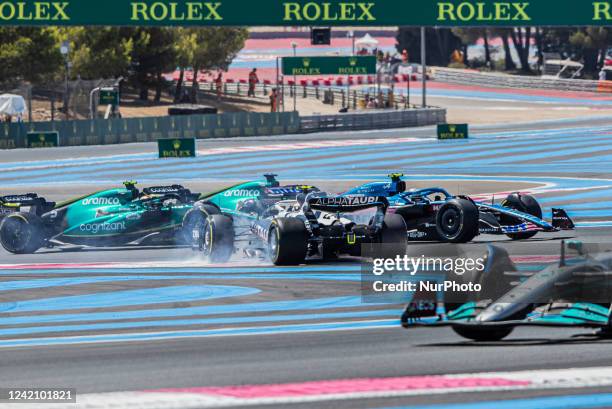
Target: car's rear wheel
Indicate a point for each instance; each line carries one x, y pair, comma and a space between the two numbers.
393, 236
287, 241
21, 233
216, 238
526, 204
483, 334
457, 221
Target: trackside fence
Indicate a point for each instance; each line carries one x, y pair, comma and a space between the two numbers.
355, 97
226, 125
465, 77
374, 120
148, 129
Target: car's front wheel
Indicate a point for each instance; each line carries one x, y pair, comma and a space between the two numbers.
483, 334
457, 221
215, 237
192, 221
393, 236
526, 204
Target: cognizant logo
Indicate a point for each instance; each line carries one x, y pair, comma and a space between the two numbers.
102, 227
101, 201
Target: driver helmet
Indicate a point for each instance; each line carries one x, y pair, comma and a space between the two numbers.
248, 206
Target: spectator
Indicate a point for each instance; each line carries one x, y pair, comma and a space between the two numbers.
219, 83
273, 100
253, 80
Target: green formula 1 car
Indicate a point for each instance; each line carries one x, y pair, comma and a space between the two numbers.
114, 217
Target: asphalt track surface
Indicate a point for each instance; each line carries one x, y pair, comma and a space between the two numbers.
113, 320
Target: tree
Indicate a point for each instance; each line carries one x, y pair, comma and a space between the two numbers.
186, 44
521, 38
441, 42
98, 52
29, 54
593, 43
540, 34
211, 48
504, 34
153, 54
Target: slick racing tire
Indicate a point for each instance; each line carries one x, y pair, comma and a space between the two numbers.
483, 334
457, 221
194, 219
287, 241
526, 204
393, 236
21, 233
216, 239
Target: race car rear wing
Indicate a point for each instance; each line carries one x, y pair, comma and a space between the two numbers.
561, 220
26, 199
179, 190
348, 203
17, 203
288, 192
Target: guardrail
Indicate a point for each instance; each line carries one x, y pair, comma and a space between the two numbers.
336, 95
373, 120
129, 130
149, 129
465, 77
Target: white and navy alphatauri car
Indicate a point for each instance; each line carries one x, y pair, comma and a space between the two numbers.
290, 224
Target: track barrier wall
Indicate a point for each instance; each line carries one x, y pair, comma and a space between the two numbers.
150, 129
227, 125
374, 120
466, 77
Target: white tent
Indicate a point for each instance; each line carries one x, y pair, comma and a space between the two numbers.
13, 105
367, 41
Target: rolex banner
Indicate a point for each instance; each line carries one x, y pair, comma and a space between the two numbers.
42, 139
177, 148
453, 131
109, 96
307, 13
329, 65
